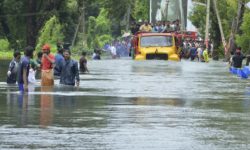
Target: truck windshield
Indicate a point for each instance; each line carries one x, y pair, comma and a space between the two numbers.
156, 41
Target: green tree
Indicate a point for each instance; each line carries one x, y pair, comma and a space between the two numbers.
13, 26
227, 11
50, 33
99, 30
5, 45
243, 39
198, 19
141, 10
91, 31
21, 20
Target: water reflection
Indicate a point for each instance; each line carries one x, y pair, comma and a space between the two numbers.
156, 67
157, 101
18, 107
47, 107
23, 109
3, 69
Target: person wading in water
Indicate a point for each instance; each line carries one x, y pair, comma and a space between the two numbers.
48, 60
23, 69
13, 68
238, 58
69, 70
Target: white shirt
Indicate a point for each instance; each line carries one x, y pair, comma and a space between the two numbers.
113, 50
31, 77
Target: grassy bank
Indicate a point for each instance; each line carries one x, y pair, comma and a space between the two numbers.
6, 55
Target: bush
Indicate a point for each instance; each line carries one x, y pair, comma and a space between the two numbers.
4, 45
103, 39
99, 30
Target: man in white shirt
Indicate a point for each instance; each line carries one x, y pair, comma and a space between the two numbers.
113, 51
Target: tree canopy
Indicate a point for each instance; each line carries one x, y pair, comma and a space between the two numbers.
33, 23
97, 22
234, 27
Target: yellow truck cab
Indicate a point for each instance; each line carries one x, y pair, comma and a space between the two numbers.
147, 46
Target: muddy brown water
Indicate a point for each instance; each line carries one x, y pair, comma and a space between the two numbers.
131, 105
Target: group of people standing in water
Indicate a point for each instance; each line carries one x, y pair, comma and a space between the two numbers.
23, 70
194, 50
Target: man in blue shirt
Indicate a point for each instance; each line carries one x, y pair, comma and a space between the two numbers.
193, 52
58, 59
23, 69
69, 70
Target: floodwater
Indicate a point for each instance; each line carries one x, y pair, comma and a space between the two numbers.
131, 105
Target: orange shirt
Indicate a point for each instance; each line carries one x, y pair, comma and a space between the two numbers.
46, 64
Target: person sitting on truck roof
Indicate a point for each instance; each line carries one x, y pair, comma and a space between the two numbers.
156, 27
167, 27
177, 25
173, 26
146, 27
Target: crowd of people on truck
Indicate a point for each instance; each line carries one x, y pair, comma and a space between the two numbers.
158, 27
24, 70
188, 48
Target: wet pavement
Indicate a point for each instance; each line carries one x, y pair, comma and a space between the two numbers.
131, 105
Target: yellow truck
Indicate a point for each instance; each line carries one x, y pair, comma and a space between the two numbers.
148, 46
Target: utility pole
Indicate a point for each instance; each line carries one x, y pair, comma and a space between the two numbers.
150, 11
235, 26
128, 17
207, 24
221, 29
167, 3
83, 23
183, 27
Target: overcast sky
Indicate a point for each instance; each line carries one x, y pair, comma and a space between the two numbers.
190, 27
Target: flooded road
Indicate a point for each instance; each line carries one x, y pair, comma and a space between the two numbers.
131, 105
